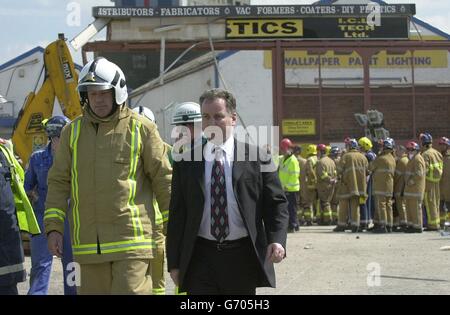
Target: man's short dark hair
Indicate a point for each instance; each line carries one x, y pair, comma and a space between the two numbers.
213, 94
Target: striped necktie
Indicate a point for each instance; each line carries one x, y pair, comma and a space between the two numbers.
219, 214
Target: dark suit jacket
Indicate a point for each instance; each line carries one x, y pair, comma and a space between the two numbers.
261, 201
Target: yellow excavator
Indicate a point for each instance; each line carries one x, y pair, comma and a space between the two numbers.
61, 81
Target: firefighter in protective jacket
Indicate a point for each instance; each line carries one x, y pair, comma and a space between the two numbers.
110, 163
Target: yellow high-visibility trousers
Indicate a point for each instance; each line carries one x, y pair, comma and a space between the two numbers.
414, 212
349, 207
302, 206
310, 200
157, 265
431, 202
400, 205
335, 206
444, 215
325, 195
129, 276
383, 206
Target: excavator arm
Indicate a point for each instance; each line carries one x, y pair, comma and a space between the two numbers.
60, 81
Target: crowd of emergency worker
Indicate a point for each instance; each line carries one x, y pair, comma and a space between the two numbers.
106, 193
378, 188
98, 196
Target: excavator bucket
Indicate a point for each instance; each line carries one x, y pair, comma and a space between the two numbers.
28, 134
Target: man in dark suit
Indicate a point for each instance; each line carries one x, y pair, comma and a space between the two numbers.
228, 214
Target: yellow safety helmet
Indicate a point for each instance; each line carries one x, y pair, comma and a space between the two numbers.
365, 143
328, 150
311, 150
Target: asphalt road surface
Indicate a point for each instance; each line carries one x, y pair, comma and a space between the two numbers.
322, 262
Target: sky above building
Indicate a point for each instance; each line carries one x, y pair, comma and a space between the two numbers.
30, 23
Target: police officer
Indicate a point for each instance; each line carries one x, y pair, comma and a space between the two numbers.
36, 188
16, 215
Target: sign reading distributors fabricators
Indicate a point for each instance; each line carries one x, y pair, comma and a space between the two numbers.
254, 11
295, 21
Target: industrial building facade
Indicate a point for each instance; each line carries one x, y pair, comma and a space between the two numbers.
310, 81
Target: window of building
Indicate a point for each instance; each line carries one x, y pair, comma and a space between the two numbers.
139, 61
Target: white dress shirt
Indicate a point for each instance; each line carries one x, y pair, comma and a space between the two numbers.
235, 222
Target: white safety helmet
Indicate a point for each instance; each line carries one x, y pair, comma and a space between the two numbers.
101, 74
187, 112
145, 111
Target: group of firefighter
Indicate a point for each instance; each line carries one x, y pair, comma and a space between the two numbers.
378, 187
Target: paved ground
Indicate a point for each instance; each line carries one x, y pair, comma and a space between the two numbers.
322, 262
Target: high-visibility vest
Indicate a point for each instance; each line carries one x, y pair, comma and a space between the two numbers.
162, 216
289, 172
25, 215
435, 165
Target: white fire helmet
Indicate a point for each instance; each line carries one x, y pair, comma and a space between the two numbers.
187, 113
101, 74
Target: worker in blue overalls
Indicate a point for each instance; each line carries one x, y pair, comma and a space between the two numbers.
36, 188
